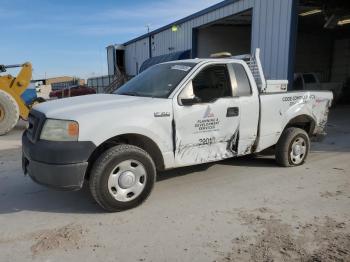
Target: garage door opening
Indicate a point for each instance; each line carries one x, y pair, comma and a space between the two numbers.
232, 34
322, 58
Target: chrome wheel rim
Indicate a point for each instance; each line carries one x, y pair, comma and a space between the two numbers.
127, 180
2, 113
298, 151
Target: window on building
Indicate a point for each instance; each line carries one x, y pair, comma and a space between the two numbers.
212, 83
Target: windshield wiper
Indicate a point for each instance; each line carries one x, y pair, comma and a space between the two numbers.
131, 93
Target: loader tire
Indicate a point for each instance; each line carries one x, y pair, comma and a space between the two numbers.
9, 112
293, 147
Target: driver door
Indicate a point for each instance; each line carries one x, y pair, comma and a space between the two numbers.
206, 117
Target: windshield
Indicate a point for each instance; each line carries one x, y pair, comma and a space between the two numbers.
158, 81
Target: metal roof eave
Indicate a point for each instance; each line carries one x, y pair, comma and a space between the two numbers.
185, 19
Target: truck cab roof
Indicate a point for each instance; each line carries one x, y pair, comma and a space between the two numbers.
204, 60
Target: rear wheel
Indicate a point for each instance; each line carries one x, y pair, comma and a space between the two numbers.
9, 112
122, 178
293, 147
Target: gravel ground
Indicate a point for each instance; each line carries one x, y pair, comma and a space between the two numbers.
244, 209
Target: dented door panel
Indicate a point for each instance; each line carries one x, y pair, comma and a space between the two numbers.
205, 133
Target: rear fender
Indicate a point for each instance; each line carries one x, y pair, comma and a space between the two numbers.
313, 111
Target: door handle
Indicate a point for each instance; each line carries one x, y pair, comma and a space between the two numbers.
232, 112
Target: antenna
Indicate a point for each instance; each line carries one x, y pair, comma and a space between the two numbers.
148, 27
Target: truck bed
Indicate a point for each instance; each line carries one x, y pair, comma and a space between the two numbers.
279, 109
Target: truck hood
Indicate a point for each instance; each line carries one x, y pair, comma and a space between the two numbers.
75, 108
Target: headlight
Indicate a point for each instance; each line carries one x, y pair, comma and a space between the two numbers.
60, 130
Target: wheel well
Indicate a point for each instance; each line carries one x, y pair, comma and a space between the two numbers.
140, 141
304, 122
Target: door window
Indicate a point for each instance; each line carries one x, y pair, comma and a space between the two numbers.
212, 83
243, 87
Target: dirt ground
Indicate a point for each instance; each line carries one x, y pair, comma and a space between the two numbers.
245, 209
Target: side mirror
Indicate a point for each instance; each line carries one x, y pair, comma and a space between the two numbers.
187, 97
190, 101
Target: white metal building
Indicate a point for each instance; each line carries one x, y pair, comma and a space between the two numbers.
294, 36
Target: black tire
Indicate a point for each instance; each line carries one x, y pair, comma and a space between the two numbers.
284, 146
9, 112
103, 168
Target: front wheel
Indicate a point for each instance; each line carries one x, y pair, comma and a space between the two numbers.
293, 147
122, 178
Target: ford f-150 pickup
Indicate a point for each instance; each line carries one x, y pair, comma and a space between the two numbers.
174, 114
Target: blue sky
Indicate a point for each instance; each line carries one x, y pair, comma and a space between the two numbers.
69, 37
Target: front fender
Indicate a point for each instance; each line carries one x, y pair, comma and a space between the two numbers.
158, 130
159, 139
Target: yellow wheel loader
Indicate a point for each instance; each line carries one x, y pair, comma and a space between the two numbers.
12, 106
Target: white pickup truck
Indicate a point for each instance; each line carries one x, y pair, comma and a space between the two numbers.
311, 82
172, 115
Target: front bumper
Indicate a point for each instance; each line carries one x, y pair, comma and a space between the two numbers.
60, 165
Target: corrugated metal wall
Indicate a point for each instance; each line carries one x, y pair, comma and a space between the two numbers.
270, 31
182, 39
135, 54
110, 59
